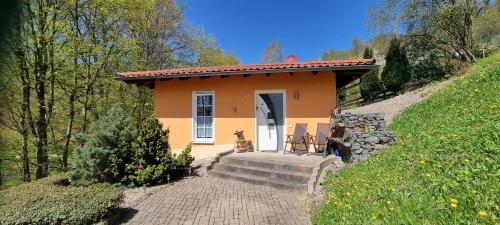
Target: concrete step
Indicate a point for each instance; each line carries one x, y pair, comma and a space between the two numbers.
284, 175
255, 179
268, 164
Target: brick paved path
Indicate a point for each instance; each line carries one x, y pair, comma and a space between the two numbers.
210, 200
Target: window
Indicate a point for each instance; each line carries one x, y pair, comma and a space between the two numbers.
203, 117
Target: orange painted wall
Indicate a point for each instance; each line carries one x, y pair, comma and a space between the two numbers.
173, 103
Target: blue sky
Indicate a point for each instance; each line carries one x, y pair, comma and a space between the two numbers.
306, 28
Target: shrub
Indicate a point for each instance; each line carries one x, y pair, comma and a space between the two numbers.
429, 67
397, 68
112, 153
107, 148
50, 201
152, 158
184, 160
370, 84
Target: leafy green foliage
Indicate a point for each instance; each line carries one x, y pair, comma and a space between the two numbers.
51, 201
107, 148
397, 68
444, 168
152, 158
111, 152
487, 27
370, 84
429, 67
185, 159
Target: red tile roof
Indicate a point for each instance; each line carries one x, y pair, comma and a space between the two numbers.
249, 68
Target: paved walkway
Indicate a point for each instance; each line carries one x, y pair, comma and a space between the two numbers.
393, 106
210, 200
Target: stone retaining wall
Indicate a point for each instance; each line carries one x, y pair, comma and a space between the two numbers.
365, 144
358, 121
366, 135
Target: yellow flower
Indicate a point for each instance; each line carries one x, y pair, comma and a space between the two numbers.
422, 161
483, 213
391, 209
453, 200
453, 205
428, 175
388, 202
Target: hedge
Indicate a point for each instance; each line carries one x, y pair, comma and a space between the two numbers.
53, 201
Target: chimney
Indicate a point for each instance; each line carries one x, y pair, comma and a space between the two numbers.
291, 58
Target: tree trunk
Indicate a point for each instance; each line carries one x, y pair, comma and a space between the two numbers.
69, 128
24, 129
41, 127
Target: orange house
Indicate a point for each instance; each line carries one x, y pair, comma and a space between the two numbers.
206, 105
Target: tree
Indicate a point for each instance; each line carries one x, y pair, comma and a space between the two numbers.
272, 53
446, 24
370, 83
334, 54
397, 68
487, 27
357, 47
355, 51
208, 54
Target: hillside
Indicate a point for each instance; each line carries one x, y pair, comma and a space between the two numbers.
444, 168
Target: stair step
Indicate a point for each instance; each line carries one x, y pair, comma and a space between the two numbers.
265, 172
258, 180
268, 164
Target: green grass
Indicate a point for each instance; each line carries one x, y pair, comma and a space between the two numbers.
444, 168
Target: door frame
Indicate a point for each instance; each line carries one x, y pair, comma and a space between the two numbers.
270, 91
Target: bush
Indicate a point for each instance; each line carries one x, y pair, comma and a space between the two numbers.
444, 168
397, 68
107, 148
49, 201
152, 158
112, 153
429, 68
184, 160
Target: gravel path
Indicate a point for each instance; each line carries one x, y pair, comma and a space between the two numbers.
391, 107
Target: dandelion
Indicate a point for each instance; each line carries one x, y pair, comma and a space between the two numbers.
388, 202
483, 213
453, 200
453, 205
428, 175
422, 161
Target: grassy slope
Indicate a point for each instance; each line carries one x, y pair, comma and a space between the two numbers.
446, 156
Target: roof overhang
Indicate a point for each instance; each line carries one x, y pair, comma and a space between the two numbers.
345, 74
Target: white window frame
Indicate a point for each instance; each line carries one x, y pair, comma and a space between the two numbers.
194, 118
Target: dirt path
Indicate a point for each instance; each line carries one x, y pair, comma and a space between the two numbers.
391, 107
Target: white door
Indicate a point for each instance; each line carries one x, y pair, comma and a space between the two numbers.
269, 116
